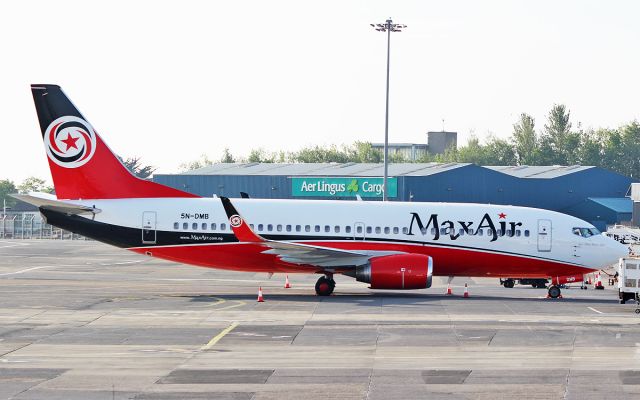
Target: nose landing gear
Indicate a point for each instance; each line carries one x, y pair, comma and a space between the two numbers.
325, 285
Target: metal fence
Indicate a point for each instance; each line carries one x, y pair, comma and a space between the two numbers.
31, 226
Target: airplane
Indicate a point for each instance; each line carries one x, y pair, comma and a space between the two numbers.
389, 245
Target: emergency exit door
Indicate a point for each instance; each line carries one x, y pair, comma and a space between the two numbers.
544, 235
149, 227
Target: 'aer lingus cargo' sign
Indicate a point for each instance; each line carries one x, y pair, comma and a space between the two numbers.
342, 187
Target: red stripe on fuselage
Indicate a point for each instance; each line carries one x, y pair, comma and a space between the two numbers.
448, 261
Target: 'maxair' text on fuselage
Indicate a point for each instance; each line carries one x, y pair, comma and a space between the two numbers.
452, 228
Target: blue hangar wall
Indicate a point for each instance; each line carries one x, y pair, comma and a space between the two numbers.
564, 189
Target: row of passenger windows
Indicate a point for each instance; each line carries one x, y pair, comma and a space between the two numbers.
359, 229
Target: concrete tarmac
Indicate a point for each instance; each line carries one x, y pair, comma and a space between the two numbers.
83, 320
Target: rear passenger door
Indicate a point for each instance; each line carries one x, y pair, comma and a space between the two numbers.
149, 227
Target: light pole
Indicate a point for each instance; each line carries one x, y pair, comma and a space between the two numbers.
388, 27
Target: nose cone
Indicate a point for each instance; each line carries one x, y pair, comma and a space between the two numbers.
615, 250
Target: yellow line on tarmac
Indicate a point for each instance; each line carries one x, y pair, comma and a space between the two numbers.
219, 336
240, 304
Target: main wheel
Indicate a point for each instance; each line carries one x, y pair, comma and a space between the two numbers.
554, 292
509, 283
325, 286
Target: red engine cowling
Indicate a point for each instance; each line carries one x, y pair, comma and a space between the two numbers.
561, 280
397, 271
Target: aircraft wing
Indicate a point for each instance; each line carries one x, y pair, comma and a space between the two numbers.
50, 202
298, 253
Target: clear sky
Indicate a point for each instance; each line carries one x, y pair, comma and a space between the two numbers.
170, 80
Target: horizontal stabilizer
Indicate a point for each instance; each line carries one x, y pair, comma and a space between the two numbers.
50, 202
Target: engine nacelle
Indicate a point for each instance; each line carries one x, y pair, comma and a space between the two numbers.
397, 271
561, 280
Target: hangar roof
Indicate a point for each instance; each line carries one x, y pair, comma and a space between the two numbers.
619, 205
326, 169
539, 172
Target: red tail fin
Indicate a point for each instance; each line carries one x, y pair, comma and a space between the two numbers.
82, 165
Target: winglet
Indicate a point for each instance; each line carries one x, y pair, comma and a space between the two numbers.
240, 228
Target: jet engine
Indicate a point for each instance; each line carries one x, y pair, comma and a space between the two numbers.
397, 271
561, 280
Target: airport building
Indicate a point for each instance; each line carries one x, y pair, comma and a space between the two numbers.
591, 193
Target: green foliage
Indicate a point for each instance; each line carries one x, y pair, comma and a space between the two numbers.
557, 144
33, 184
7, 187
227, 157
134, 165
201, 162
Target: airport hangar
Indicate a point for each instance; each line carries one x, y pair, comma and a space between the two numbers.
590, 193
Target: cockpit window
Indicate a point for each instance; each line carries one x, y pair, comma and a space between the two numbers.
585, 232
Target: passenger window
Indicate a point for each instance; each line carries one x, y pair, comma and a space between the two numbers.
279, 228
433, 231
509, 233
423, 231
336, 229
347, 229
194, 226
396, 230
480, 232
223, 227
359, 229
405, 230
387, 230
213, 227
185, 226
369, 230
251, 226
490, 232
288, 228
317, 228
518, 233
327, 228
176, 225
204, 226
269, 227
461, 233
307, 228
298, 228
378, 230
526, 233
443, 231
260, 227
500, 232
470, 231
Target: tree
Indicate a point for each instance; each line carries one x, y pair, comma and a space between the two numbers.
261, 156
558, 143
134, 165
33, 184
499, 152
7, 187
525, 141
227, 157
201, 162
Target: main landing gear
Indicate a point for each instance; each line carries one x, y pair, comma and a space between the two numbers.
554, 292
325, 285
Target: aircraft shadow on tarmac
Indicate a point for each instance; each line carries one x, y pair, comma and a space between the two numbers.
373, 298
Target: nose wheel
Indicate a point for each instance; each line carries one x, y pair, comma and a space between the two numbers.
325, 286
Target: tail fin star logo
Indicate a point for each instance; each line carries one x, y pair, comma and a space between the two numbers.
70, 141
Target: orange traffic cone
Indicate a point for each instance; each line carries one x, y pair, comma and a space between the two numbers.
260, 298
449, 291
599, 282
287, 285
466, 291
